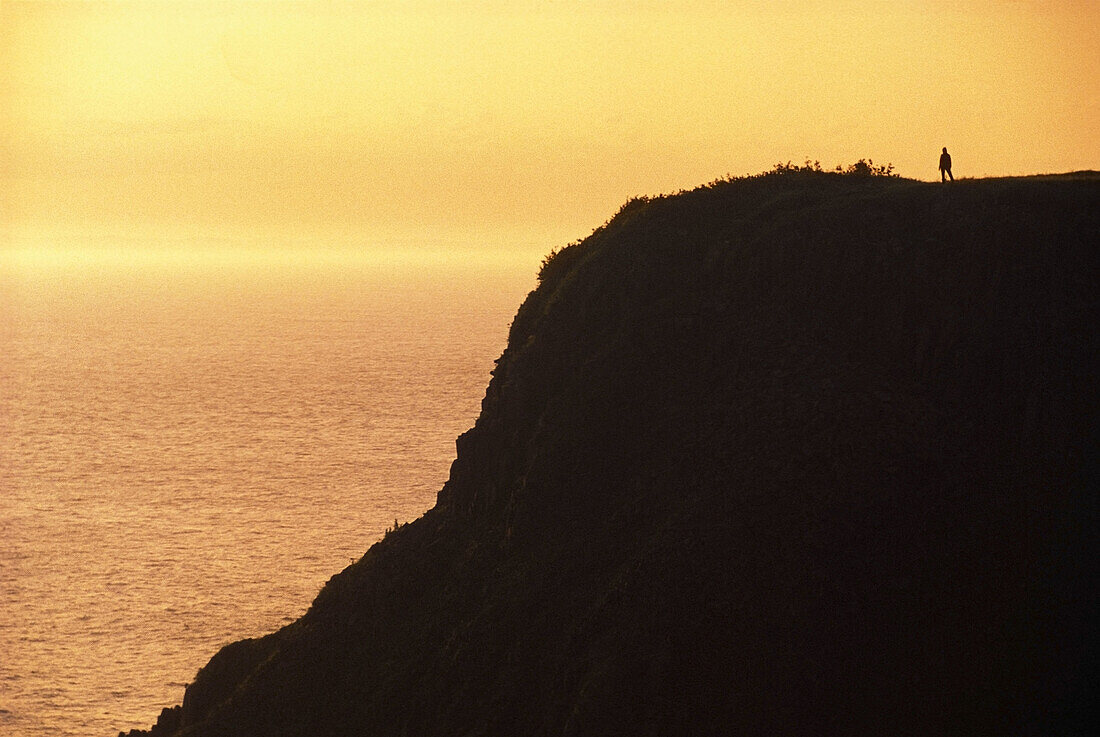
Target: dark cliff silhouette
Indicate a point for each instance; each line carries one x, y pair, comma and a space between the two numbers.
796, 454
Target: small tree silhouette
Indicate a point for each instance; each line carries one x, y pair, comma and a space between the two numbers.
789, 168
867, 168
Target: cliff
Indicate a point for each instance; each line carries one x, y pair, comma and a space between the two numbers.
800, 453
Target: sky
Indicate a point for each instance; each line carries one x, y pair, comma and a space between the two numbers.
509, 120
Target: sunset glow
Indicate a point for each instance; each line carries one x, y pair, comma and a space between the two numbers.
508, 120
356, 377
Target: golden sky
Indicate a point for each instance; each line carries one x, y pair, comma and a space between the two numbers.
536, 117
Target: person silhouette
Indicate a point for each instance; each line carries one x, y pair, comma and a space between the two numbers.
945, 166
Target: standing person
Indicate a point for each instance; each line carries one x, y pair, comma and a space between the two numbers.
945, 166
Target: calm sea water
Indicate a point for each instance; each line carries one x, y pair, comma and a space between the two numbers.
190, 447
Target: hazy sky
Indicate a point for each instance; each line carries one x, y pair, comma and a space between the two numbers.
538, 118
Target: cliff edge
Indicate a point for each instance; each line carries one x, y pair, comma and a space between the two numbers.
799, 453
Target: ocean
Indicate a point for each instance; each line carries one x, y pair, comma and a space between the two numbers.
192, 443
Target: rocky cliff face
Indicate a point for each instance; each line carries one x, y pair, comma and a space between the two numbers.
798, 453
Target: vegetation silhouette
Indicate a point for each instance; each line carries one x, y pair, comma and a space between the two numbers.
801, 452
861, 168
